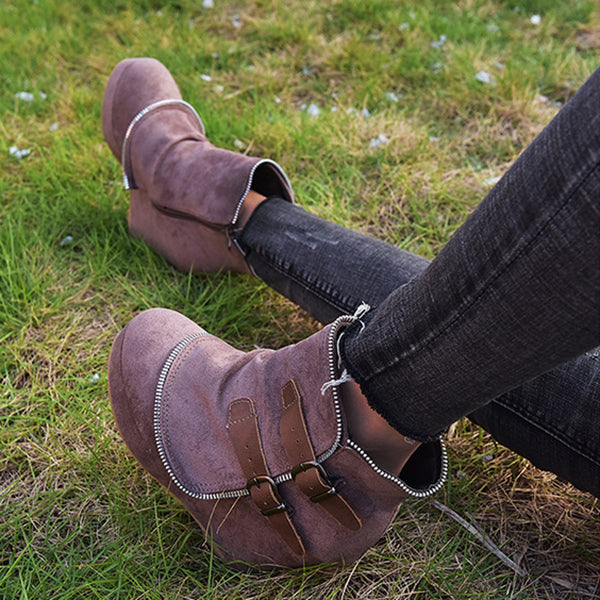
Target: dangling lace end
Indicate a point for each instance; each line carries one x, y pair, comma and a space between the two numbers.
362, 309
344, 378
360, 312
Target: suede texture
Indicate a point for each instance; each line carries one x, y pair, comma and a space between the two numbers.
203, 380
207, 376
186, 193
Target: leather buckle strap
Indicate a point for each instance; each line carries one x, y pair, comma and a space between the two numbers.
242, 423
268, 497
310, 475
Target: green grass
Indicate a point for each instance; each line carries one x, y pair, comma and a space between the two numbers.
77, 515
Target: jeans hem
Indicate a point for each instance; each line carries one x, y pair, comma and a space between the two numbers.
374, 402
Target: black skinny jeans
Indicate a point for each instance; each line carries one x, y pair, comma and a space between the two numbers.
496, 327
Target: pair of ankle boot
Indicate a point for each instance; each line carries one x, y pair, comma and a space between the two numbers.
255, 445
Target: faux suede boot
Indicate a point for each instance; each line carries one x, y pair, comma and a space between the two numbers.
186, 195
255, 445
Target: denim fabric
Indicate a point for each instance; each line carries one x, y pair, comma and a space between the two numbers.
326, 269
547, 419
552, 419
515, 292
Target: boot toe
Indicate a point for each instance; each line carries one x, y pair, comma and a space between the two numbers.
136, 359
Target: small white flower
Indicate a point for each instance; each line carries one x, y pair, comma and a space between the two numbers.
238, 144
403, 26
14, 151
205, 77
25, 96
492, 28
277, 100
439, 43
236, 21
215, 55
43, 96
334, 109
313, 110
54, 127
95, 377
437, 67
434, 138
483, 77
392, 96
66, 241
208, 4
380, 140
536, 19
364, 113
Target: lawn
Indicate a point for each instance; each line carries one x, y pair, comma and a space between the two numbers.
390, 117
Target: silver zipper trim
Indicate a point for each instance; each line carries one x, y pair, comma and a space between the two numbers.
158, 401
414, 492
263, 161
332, 359
337, 405
128, 183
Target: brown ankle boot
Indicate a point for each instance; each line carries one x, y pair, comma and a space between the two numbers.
256, 445
186, 194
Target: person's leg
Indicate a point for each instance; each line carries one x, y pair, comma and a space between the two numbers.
329, 270
324, 268
291, 258
553, 421
514, 293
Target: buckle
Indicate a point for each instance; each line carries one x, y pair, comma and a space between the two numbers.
258, 481
313, 464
